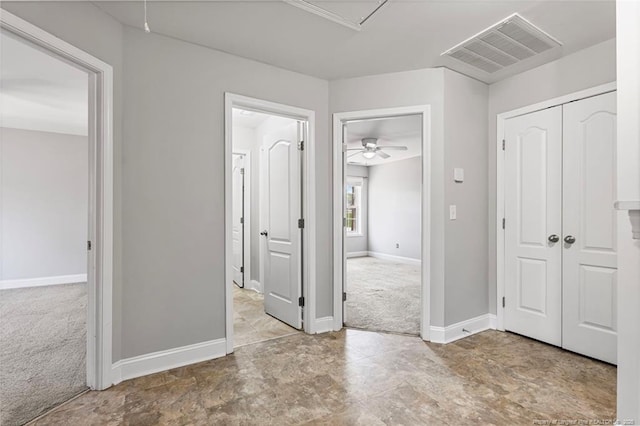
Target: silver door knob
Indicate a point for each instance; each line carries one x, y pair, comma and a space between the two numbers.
569, 239
554, 238
264, 233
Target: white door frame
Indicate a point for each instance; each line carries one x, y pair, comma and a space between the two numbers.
247, 213
100, 232
338, 209
500, 199
231, 101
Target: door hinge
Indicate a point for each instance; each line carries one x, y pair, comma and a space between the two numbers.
301, 145
503, 222
344, 222
242, 269
241, 171
503, 301
301, 301
88, 245
344, 296
344, 147
503, 144
301, 223
242, 220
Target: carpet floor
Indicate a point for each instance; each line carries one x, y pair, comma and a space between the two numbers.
42, 349
383, 295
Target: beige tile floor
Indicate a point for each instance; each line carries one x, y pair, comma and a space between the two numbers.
360, 377
250, 323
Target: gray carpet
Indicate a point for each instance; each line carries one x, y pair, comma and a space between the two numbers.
383, 295
42, 349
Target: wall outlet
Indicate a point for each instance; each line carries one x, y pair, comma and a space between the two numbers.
452, 212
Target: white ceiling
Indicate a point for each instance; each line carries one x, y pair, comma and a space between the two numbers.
40, 92
248, 119
396, 131
402, 35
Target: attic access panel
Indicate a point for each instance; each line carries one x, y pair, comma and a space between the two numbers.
352, 14
508, 42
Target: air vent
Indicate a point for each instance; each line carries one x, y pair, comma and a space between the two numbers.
510, 41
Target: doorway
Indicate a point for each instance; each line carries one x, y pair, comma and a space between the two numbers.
56, 191
269, 286
381, 220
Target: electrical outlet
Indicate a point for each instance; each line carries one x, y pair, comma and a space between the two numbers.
452, 212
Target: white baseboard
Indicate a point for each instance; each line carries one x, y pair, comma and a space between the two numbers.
462, 329
42, 281
323, 325
357, 254
399, 259
166, 360
254, 285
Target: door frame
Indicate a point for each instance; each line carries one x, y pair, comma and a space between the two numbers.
232, 100
100, 232
500, 179
247, 213
339, 119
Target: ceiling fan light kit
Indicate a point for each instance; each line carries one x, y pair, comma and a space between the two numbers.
370, 149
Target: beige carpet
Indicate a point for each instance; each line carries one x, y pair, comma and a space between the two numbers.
42, 349
383, 295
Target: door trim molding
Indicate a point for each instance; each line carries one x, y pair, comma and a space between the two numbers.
247, 213
232, 100
500, 164
338, 230
100, 259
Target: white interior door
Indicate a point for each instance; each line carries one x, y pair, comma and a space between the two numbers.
281, 174
590, 261
237, 223
533, 249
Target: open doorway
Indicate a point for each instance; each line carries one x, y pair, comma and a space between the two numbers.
55, 214
381, 222
268, 235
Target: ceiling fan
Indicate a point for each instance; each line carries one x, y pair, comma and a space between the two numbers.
370, 149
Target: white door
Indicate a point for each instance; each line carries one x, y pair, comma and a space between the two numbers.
533, 228
589, 254
237, 223
281, 174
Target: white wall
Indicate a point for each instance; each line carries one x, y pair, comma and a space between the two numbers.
394, 208
584, 69
357, 244
44, 204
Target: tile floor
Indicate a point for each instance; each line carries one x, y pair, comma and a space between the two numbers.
360, 377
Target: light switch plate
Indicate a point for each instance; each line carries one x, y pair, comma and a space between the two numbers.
452, 212
458, 175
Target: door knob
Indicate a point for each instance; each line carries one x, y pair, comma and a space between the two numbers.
569, 239
264, 233
554, 238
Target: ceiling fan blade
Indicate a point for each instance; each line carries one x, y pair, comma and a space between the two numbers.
383, 154
354, 154
398, 148
354, 149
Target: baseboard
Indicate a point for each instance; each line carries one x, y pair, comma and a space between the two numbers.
43, 281
462, 329
155, 362
399, 259
254, 285
357, 254
323, 325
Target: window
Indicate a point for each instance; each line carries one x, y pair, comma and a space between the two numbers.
353, 207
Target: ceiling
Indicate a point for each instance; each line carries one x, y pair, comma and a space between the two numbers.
396, 131
41, 92
401, 35
248, 119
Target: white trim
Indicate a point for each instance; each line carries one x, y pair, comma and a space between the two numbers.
324, 325
100, 259
232, 100
338, 230
247, 213
43, 281
500, 128
357, 254
392, 258
319, 11
155, 362
463, 329
254, 285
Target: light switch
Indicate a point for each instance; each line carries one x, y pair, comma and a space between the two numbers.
452, 212
458, 175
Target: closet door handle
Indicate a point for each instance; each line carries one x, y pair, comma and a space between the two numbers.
264, 233
554, 238
569, 239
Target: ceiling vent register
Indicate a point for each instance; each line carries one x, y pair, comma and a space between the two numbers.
510, 41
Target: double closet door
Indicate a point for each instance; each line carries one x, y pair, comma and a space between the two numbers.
560, 226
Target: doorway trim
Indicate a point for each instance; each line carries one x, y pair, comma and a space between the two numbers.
232, 100
339, 120
500, 165
247, 213
100, 232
